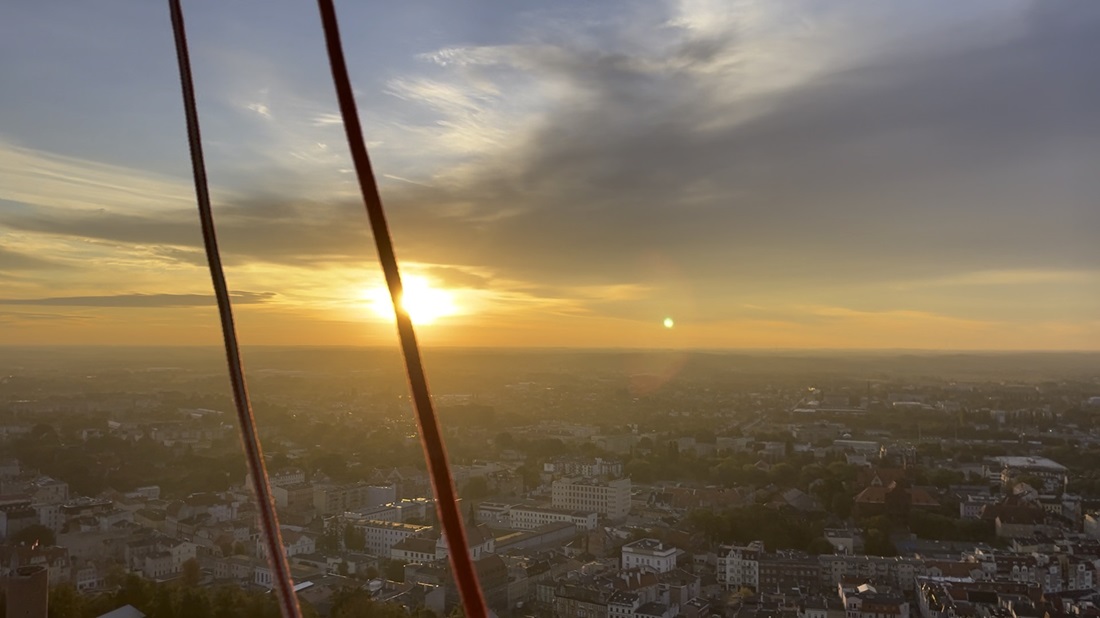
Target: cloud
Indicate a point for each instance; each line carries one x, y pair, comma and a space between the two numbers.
724, 151
36, 178
887, 166
140, 300
15, 260
16, 317
260, 109
455, 277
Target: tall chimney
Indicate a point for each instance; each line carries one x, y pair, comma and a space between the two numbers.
28, 592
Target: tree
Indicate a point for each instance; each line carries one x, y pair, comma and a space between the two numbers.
1034, 481
194, 602
165, 603
841, 505
332, 464
135, 591
394, 570
354, 538
116, 575
504, 440
820, 545
783, 474
226, 546
641, 471
191, 573
65, 602
330, 540
475, 488
877, 543
35, 533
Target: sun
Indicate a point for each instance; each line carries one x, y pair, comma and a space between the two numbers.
424, 304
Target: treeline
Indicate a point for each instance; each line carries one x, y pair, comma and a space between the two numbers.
166, 600
778, 529
170, 600
93, 466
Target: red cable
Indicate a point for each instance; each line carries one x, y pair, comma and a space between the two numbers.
269, 521
432, 440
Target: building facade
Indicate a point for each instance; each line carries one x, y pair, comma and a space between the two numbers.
608, 498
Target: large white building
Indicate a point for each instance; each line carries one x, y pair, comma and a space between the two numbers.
381, 536
531, 517
649, 553
295, 543
401, 510
585, 467
1053, 474
434, 546
739, 567
608, 498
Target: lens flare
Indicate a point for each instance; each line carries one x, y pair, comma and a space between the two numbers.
424, 304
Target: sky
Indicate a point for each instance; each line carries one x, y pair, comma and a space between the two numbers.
798, 174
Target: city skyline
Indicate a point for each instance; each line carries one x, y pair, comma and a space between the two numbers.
850, 175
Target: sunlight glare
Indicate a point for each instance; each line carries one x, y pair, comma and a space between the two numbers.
425, 304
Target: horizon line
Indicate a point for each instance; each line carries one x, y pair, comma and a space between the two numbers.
714, 350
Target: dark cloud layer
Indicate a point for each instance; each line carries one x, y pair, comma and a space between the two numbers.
975, 160
139, 300
907, 166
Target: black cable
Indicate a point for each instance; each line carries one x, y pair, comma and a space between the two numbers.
431, 438
269, 521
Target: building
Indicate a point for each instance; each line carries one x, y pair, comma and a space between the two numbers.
844, 540
401, 510
158, 566
531, 517
739, 567
579, 601
623, 604
381, 536
16, 514
585, 467
414, 549
971, 506
290, 476
548, 536
239, 568
1053, 475
898, 572
649, 553
495, 513
337, 499
784, 573
46, 490
865, 601
895, 500
297, 497
608, 498
294, 543
27, 591
479, 539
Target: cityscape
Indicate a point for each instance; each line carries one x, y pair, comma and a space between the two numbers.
759, 485
617, 309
